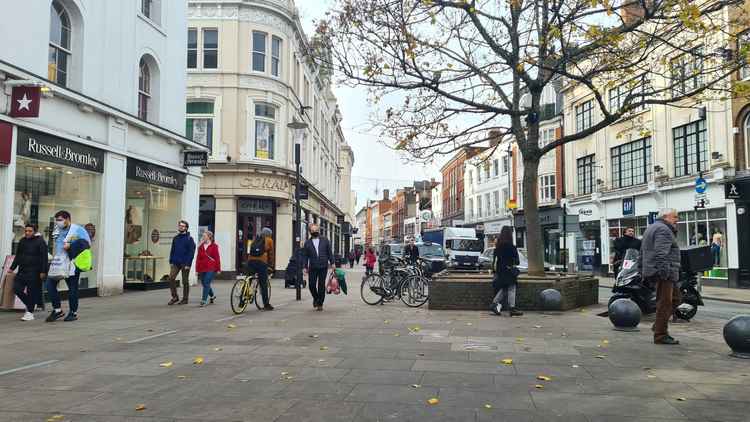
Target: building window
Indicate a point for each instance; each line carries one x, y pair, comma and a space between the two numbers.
690, 148
585, 174
275, 56
471, 177
151, 9
495, 167
584, 115
505, 199
631, 163
200, 122
487, 206
59, 45
546, 136
471, 208
265, 130
743, 43
506, 164
486, 165
627, 93
686, 72
210, 48
259, 51
479, 206
496, 202
144, 89
146, 6
479, 175
192, 48
547, 188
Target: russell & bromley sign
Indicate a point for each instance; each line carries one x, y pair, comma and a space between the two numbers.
53, 149
155, 175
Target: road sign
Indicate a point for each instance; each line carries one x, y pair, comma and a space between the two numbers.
700, 185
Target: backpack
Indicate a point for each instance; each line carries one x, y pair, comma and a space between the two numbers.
258, 247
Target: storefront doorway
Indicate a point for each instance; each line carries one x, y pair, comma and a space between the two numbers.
252, 216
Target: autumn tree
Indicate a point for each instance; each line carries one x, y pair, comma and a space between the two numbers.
462, 69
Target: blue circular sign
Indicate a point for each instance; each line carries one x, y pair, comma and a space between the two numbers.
700, 185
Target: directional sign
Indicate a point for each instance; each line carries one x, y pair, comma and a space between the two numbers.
700, 185
732, 191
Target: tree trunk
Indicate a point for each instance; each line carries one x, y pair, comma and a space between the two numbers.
534, 244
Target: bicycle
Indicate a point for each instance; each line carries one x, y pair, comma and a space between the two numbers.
402, 283
246, 291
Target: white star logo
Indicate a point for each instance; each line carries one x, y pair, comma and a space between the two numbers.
23, 103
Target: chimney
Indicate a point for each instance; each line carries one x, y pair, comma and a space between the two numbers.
632, 11
386, 194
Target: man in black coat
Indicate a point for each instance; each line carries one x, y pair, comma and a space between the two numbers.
411, 252
622, 244
317, 259
32, 262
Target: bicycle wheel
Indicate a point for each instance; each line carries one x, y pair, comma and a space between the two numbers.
258, 298
237, 299
415, 291
372, 290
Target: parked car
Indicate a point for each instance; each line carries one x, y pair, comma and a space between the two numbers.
386, 251
433, 254
485, 261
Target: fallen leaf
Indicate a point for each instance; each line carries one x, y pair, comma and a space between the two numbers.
469, 324
166, 364
150, 330
415, 386
605, 341
323, 348
285, 373
198, 360
314, 336
321, 360
539, 387
140, 407
244, 380
386, 322
681, 399
231, 326
433, 401
537, 326
519, 339
575, 366
218, 349
600, 356
507, 361
397, 335
118, 338
420, 354
543, 378
181, 377
289, 377
57, 417
650, 376
415, 328
488, 406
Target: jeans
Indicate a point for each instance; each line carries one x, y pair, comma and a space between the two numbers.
506, 293
261, 268
206, 279
54, 295
368, 270
716, 252
317, 281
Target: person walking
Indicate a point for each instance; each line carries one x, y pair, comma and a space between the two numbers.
370, 260
260, 260
31, 262
622, 244
181, 259
660, 263
358, 253
505, 261
207, 265
411, 252
318, 260
351, 258
66, 235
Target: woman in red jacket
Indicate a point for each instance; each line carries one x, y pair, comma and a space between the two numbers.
207, 265
369, 260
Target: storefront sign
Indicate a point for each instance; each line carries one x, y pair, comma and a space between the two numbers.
494, 227
53, 149
6, 142
265, 183
155, 175
733, 190
195, 159
255, 206
628, 206
547, 216
25, 101
587, 212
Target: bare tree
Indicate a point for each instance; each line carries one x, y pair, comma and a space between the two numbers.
463, 69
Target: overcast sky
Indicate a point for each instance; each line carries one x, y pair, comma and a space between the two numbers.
376, 167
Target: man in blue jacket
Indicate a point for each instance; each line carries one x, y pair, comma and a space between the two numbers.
317, 259
181, 259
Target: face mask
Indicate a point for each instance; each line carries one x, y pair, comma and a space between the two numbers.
60, 224
314, 234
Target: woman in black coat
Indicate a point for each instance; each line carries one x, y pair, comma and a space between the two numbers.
505, 261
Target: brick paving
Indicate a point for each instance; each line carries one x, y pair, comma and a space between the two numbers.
355, 362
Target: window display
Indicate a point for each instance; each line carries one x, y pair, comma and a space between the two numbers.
706, 228
44, 188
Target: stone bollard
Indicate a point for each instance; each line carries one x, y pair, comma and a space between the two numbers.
625, 315
737, 336
551, 300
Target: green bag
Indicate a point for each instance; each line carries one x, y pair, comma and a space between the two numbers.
84, 261
341, 277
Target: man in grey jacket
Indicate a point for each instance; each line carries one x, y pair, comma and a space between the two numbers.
660, 264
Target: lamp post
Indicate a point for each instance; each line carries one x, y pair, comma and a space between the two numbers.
298, 129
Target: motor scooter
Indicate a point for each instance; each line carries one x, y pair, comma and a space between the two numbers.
629, 284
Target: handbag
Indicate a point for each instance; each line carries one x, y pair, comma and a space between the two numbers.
60, 267
333, 285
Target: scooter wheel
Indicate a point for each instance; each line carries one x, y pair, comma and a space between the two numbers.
686, 313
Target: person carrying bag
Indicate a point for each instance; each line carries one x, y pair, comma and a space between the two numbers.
505, 261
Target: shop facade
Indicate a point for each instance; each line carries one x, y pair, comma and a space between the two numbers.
551, 220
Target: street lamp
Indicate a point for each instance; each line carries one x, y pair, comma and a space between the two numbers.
298, 129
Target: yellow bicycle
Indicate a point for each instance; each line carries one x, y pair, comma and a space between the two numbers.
246, 291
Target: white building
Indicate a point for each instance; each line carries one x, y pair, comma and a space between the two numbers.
108, 142
437, 207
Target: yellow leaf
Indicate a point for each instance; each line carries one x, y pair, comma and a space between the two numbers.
605, 341
519, 339
323, 348
397, 335
218, 349
539, 387
181, 377
166, 364
284, 373
507, 361
386, 322
681, 399
140, 407
231, 326
198, 360
415, 386
433, 401
543, 378
488, 406
600, 356
469, 324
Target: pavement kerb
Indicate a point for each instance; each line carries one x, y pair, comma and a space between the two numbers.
603, 283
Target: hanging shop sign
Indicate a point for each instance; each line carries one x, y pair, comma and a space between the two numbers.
53, 149
255, 206
25, 101
195, 159
155, 175
6, 143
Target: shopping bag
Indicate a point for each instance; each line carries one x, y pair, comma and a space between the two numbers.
60, 267
333, 285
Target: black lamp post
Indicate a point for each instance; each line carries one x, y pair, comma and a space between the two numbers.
299, 131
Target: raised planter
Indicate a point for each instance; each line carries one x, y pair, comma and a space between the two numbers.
473, 291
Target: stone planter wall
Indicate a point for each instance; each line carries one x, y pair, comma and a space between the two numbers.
473, 291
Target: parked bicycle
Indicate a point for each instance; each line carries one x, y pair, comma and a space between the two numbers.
402, 281
246, 291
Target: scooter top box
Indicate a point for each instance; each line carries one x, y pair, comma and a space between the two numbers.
696, 259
